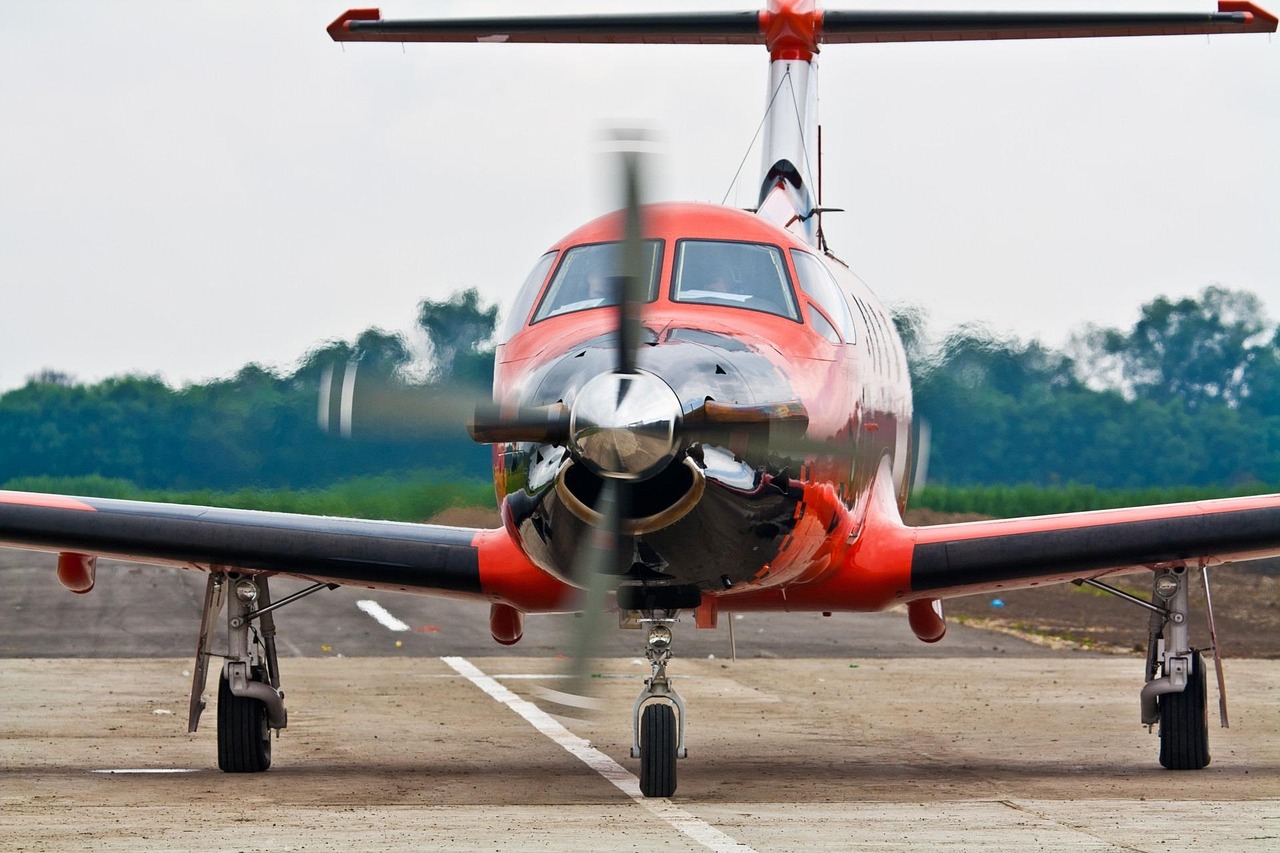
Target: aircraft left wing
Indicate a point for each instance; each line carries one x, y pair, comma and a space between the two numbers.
384, 554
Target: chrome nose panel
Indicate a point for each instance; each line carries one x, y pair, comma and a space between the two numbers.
623, 425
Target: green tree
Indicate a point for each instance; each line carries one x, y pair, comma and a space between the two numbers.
1261, 379
460, 331
1196, 350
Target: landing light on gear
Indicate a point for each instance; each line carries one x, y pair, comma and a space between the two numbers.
660, 636
1166, 586
247, 591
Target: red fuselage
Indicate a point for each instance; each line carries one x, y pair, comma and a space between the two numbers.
726, 516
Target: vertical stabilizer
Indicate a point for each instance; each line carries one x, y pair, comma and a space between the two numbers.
793, 30
789, 173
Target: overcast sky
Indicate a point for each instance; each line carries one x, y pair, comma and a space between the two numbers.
187, 187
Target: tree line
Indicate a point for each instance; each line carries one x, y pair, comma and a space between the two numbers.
1188, 396
258, 428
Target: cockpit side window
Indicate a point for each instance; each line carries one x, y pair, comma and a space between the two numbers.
817, 281
587, 278
741, 275
519, 310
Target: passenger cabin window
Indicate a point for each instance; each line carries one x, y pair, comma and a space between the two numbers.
741, 275
821, 325
518, 313
588, 277
817, 281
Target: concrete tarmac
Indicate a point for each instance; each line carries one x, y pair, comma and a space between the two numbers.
405, 754
844, 744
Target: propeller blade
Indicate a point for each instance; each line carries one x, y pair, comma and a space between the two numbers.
924, 435
603, 556
779, 429
633, 260
712, 414
492, 424
353, 403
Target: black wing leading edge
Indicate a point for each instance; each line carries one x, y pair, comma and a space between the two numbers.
386, 554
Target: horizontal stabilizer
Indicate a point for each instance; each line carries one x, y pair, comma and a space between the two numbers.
801, 29
670, 28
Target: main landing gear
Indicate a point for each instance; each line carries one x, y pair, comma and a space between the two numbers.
250, 701
1174, 696
659, 715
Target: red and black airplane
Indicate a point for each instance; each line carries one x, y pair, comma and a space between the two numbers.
700, 409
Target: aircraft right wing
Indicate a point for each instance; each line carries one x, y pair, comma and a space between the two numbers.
455, 561
890, 562
959, 559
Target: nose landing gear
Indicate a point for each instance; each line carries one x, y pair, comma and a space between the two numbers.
659, 715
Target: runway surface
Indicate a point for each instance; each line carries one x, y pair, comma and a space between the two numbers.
840, 733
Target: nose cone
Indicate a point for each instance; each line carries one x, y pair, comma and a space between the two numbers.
623, 425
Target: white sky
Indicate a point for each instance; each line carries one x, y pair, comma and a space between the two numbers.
186, 187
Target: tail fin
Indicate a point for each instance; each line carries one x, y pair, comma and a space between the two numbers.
793, 31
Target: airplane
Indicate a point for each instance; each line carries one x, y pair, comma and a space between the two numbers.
698, 410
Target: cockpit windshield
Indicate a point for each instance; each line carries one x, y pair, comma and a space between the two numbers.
745, 275
518, 313
587, 278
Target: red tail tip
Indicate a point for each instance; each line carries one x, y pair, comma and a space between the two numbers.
339, 31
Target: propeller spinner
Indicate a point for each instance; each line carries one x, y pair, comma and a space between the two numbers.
624, 425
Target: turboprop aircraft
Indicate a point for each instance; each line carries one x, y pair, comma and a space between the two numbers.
695, 410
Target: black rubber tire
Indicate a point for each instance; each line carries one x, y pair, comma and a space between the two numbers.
1184, 722
244, 738
658, 750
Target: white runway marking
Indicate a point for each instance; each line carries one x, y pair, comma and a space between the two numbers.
145, 770
530, 676
621, 778
378, 612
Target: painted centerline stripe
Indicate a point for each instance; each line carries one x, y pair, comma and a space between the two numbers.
621, 778
378, 612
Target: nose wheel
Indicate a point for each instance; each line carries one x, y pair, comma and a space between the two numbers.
659, 727
658, 750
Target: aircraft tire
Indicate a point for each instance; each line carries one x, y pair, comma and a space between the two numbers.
1184, 724
658, 750
244, 738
